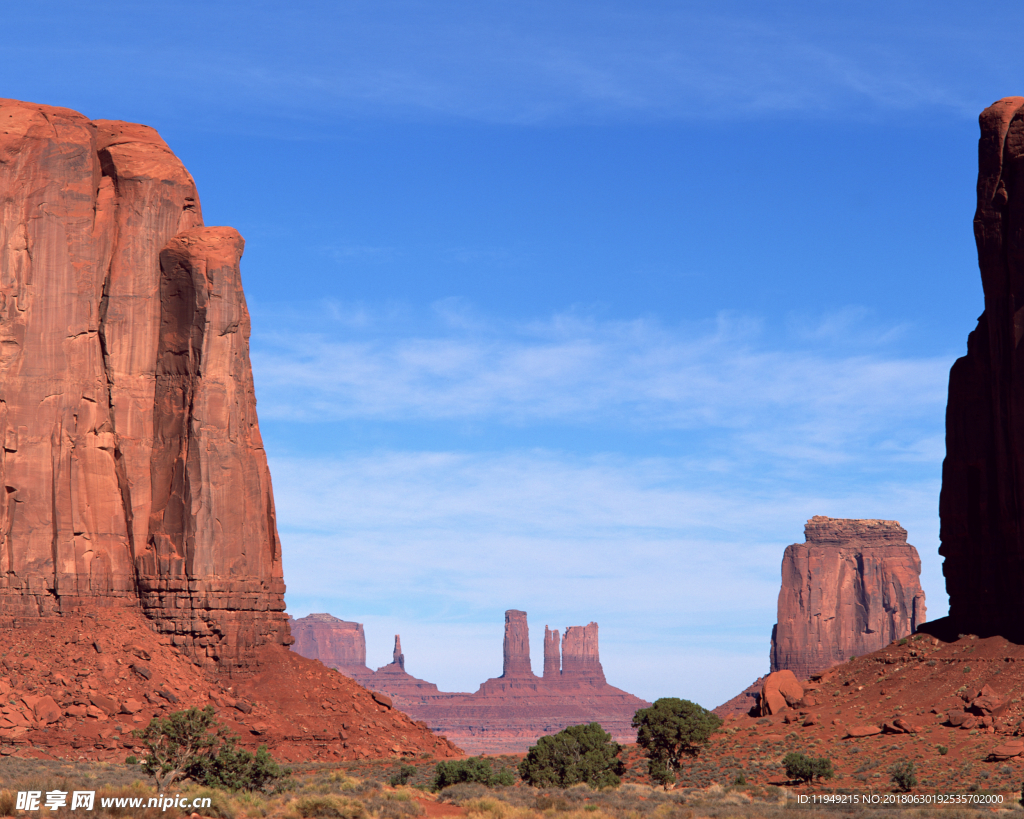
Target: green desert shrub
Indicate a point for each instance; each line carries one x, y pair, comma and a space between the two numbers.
806, 769
671, 729
474, 769
579, 753
902, 774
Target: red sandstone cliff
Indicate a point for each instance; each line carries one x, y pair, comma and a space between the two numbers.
132, 459
507, 714
982, 501
852, 588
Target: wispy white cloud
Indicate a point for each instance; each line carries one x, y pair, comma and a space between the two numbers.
802, 399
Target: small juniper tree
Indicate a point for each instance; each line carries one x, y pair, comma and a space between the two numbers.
191, 745
579, 753
671, 729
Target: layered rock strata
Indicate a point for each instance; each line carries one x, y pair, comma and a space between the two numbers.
507, 714
851, 588
982, 501
132, 462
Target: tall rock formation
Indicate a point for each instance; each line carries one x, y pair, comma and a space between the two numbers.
552, 654
852, 588
336, 643
132, 462
507, 714
580, 656
516, 648
982, 501
397, 657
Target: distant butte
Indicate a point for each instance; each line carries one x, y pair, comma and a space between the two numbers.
851, 588
507, 714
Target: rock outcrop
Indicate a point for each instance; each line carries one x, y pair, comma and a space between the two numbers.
982, 501
507, 714
580, 658
336, 643
552, 654
516, 647
132, 462
852, 588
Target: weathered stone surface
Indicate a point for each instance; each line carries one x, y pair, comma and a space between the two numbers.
509, 713
552, 654
863, 731
988, 702
580, 658
132, 460
780, 690
516, 648
336, 643
397, 657
1008, 750
851, 588
982, 501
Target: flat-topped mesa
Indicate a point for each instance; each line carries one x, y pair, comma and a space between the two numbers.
552, 654
397, 657
981, 506
132, 459
336, 643
516, 647
580, 656
852, 588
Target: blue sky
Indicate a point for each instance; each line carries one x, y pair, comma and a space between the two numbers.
578, 308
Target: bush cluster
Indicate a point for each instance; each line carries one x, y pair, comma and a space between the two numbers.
579, 753
805, 768
192, 745
474, 769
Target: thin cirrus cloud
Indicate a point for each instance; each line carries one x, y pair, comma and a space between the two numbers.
528, 63
726, 378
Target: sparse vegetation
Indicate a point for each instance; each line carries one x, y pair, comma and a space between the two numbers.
671, 729
192, 745
474, 769
579, 753
903, 775
806, 769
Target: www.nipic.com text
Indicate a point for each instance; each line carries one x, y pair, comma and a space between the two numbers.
51, 800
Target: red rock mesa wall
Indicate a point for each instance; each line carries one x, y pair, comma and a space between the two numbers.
852, 588
132, 463
982, 500
336, 643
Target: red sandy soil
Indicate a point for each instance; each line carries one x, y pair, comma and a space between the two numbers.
920, 681
76, 687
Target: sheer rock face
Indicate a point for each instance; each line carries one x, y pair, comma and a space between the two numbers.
982, 502
516, 648
508, 714
552, 654
133, 467
852, 588
338, 644
580, 656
